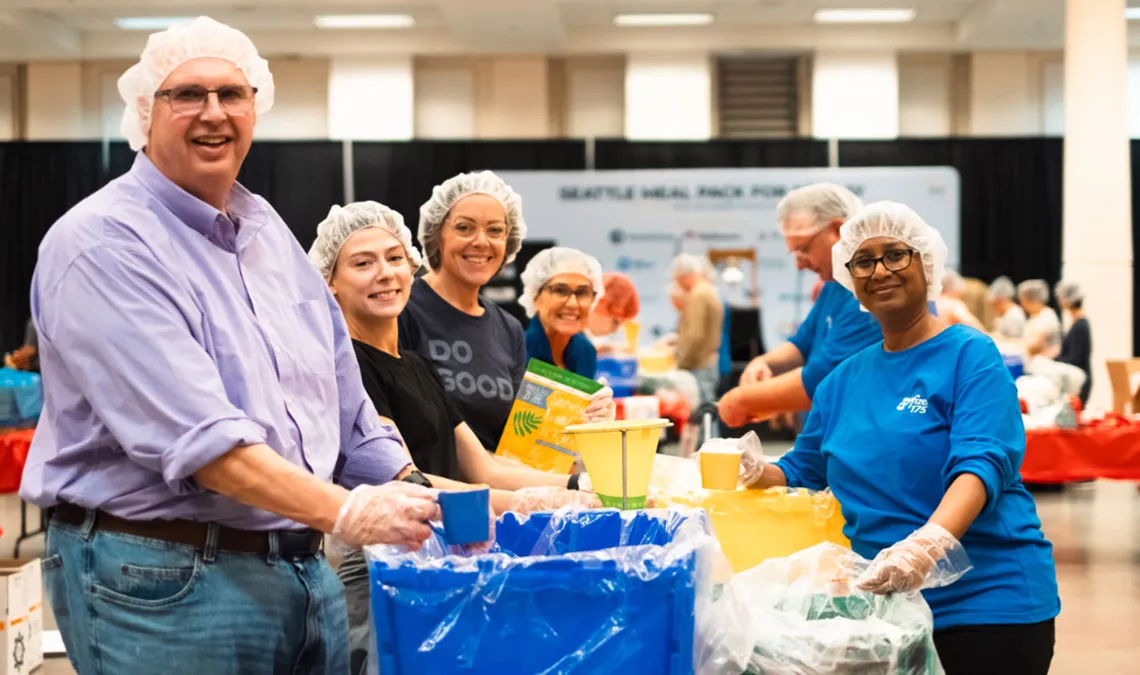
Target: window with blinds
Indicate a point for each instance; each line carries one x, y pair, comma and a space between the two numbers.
758, 96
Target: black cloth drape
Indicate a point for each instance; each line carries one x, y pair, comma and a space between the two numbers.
402, 174
623, 154
1135, 248
41, 181
300, 179
1011, 192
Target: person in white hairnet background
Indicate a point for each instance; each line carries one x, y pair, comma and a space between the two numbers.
1009, 317
1043, 328
365, 253
200, 393
950, 305
1076, 346
700, 322
561, 286
784, 379
921, 439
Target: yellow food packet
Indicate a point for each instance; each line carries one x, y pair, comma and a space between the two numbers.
549, 400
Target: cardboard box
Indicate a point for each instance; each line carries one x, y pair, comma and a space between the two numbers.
1125, 378
549, 400
21, 626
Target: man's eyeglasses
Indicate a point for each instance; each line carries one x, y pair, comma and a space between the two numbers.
585, 294
235, 99
495, 232
894, 261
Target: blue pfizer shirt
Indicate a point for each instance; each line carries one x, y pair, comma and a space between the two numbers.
890, 431
834, 329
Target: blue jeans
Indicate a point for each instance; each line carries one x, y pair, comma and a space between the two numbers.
127, 604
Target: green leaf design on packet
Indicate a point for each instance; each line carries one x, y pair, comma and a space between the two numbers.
526, 422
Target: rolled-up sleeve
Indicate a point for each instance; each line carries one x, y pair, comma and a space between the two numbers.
128, 342
372, 451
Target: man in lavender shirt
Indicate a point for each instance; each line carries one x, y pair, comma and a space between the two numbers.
201, 394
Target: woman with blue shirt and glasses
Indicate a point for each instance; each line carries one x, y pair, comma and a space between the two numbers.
560, 288
920, 438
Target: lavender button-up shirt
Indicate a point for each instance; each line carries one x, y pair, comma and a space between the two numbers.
170, 333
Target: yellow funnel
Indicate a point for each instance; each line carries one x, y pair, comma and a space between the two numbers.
619, 458
632, 332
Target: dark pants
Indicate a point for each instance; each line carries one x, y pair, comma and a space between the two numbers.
1015, 649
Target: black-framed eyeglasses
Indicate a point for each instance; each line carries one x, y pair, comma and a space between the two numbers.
235, 99
585, 294
893, 261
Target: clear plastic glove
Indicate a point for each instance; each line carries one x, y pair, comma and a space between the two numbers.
483, 546
752, 460
602, 407
757, 371
930, 557
395, 513
551, 498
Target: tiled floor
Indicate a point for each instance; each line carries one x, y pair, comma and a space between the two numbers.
1096, 530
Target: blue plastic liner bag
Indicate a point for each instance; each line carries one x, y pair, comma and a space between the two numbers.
21, 398
596, 592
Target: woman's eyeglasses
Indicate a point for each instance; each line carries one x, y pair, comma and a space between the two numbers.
235, 99
893, 261
494, 232
585, 294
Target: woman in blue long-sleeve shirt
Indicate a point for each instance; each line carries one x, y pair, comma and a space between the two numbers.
920, 437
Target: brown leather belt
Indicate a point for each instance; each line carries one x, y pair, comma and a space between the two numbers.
193, 533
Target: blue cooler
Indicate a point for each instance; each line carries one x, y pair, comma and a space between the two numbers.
1015, 364
620, 373
21, 398
569, 592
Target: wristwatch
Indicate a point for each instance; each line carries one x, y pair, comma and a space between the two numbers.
416, 477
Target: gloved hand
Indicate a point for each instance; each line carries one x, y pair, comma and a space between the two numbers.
929, 557
394, 513
483, 546
602, 407
551, 498
757, 371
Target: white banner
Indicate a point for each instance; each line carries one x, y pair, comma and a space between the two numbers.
635, 222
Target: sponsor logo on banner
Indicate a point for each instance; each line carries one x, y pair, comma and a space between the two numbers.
628, 264
619, 236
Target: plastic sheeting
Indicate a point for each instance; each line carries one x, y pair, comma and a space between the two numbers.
806, 616
566, 592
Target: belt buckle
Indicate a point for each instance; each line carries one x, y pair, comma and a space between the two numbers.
291, 542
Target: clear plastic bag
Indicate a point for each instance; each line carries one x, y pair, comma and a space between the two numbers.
566, 592
807, 616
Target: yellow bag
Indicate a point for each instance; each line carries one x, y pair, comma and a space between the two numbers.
549, 400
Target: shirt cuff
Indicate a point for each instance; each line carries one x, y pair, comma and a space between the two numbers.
375, 462
986, 472
203, 444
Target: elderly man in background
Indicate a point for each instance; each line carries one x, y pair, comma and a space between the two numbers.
1009, 317
951, 307
701, 317
785, 379
200, 394
1043, 328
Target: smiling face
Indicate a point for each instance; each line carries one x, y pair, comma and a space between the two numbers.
372, 276
201, 152
811, 251
473, 242
564, 303
887, 293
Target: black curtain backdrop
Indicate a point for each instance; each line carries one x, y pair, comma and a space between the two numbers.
402, 174
301, 179
1136, 248
1010, 204
39, 182
623, 154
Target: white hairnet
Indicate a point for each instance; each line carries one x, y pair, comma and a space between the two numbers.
897, 221
445, 195
169, 49
552, 262
1002, 287
344, 221
687, 263
1069, 292
824, 201
952, 282
1034, 290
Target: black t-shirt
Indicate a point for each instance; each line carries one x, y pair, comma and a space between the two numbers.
407, 390
1076, 350
480, 359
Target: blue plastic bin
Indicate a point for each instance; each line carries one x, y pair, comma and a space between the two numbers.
1015, 364
620, 373
21, 398
616, 595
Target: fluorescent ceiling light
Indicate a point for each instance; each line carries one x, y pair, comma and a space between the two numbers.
150, 22
864, 15
1132, 13
663, 19
364, 21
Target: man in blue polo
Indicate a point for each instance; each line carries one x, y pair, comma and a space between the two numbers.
785, 379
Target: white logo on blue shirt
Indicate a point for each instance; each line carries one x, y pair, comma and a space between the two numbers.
913, 404
829, 323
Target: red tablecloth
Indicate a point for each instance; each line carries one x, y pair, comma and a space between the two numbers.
13, 453
1064, 455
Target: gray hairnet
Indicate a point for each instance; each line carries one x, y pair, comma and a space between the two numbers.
1069, 292
445, 195
952, 282
824, 201
1003, 288
1034, 290
897, 221
344, 221
557, 260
